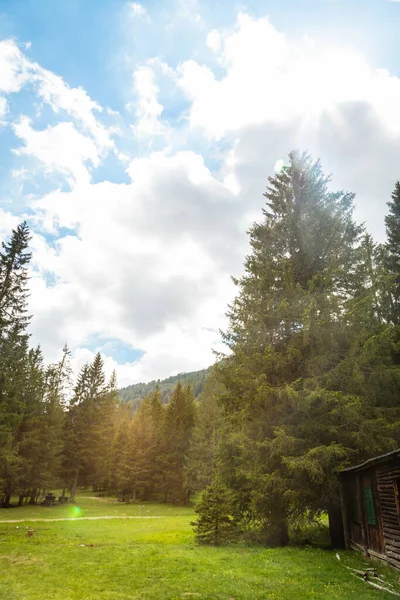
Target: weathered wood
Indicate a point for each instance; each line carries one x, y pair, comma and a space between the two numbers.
389, 509
345, 516
355, 546
391, 521
380, 537
362, 511
392, 542
392, 529
387, 493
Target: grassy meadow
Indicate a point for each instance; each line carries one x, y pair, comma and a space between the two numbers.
153, 556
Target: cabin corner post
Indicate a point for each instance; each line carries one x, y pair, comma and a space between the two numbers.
345, 518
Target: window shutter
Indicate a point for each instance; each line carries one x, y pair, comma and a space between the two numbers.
369, 505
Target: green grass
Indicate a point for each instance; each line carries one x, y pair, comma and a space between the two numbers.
151, 559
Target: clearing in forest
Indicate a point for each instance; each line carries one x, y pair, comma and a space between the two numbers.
157, 559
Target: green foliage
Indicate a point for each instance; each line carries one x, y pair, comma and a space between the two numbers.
312, 381
216, 523
176, 437
391, 254
201, 464
90, 427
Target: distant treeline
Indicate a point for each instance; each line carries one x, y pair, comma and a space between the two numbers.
135, 393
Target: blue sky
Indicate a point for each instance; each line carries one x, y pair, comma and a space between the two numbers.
83, 40
137, 139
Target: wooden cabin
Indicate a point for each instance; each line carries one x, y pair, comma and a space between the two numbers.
371, 507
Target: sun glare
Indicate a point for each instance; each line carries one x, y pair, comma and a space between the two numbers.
279, 165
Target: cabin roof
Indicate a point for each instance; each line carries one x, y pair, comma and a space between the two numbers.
373, 461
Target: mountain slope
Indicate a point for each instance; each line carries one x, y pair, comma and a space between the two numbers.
134, 394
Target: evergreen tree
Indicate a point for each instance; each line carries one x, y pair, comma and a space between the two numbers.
391, 259
202, 460
89, 428
14, 260
177, 431
286, 330
142, 442
216, 523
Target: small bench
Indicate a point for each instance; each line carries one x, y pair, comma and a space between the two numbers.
49, 500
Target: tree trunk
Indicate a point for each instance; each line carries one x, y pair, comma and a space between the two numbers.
73, 489
336, 530
32, 499
6, 501
21, 499
281, 534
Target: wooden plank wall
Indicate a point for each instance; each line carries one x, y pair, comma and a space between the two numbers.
387, 478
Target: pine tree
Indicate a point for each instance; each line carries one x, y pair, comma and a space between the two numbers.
177, 431
391, 258
89, 428
216, 523
14, 260
142, 444
201, 464
286, 330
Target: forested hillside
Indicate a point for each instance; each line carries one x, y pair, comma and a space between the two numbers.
135, 393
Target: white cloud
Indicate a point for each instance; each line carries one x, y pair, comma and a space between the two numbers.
148, 109
269, 78
8, 222
148, 268
137, 9
16, 71
60, 148
3, 109
75, 102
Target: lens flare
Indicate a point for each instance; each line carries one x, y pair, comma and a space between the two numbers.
76, 511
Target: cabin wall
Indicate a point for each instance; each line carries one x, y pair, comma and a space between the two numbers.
371, 504
388, 480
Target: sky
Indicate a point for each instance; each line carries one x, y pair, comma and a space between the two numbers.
137, 140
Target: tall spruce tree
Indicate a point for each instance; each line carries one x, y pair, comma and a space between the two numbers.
391, 258
176, 436
202, 459
286, 330
14, 261
89, 428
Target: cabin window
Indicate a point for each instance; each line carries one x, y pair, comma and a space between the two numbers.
369, 505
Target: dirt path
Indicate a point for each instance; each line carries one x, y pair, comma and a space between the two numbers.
79, 519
